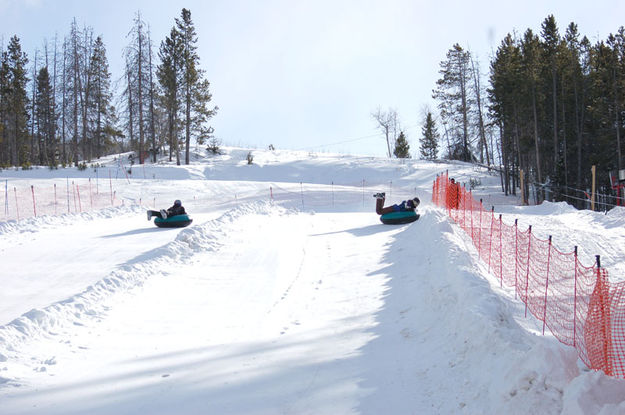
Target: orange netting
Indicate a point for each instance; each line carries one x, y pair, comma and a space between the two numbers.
578, 304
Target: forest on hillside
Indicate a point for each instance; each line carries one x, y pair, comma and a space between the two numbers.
552, 108
63, 110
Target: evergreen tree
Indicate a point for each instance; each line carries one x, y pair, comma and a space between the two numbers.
101, 111
169, 78
455, 100
402, 148
195, 92
429, 141
45, 119
550, 48
14, 62
4, 108
504, 107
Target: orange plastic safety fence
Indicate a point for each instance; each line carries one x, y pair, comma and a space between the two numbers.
578, 304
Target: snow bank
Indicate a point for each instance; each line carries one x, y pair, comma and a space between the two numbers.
92, 303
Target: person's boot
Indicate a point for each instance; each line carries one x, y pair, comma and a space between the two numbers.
149, 214
380, 195
163, 213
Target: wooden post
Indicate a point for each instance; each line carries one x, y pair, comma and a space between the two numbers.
592, 198
522, 182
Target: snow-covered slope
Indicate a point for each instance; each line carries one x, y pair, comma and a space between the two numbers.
285, 295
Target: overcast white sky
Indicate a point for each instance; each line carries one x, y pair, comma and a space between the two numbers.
308, 74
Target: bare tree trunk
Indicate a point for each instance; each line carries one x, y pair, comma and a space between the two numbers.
33, 107
85, 96
64, 102
152, 126
53, 147
478, 95
140, 89
465, 115
187, 123
76, 92
536, 139
566, 167
555, 120
617, 120
130, 112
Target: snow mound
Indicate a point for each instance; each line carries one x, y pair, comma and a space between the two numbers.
34, 224
92, 302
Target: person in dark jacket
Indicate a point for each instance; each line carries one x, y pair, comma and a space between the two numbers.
176, 209
402, 207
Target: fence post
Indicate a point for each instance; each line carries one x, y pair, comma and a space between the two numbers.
605, 318
79, 203
271, 193
575, 301
74, 195
490, 237
17, 208
546, 286
6, 198
111, 187
500, 252
67, 192
516, 256
471, 199
479, 235
527, 273
464, 207
32, 189
363, 192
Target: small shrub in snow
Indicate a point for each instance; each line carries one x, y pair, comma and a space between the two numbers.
473, 183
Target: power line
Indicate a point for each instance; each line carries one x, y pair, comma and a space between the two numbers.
351, 140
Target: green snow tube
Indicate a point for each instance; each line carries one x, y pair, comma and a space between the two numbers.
177, 221
399, 218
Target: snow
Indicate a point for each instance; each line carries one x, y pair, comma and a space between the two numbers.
285, 295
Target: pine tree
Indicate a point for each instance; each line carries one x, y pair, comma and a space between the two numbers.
45, 119
195, 92
429, 141
402, 148
101, 112
550, 47
4, 109
455, 100
16, 102
169, 74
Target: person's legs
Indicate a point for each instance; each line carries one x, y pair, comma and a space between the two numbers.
153, 213
379, 205
380, 209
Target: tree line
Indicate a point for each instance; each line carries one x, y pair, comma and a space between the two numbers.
553, 107
62, 109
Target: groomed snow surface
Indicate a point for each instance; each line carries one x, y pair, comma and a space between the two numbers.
286, 295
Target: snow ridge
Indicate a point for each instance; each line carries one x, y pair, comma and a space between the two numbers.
92, 302
33, 224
